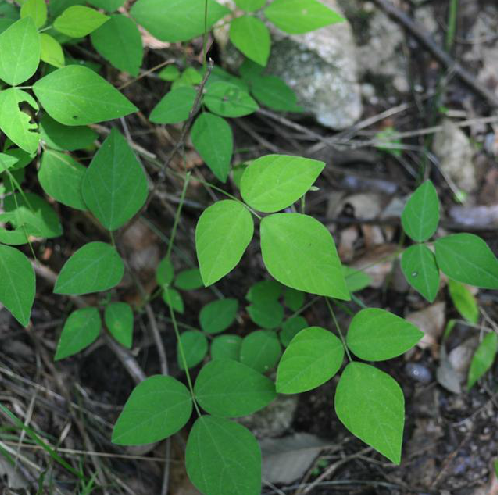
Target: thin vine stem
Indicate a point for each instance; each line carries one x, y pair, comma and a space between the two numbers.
336, 323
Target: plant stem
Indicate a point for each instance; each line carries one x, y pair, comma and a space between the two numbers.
336, 323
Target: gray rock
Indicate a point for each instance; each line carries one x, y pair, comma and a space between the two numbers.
455, 153
319, 66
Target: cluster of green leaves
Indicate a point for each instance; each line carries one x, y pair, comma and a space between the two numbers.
465, 258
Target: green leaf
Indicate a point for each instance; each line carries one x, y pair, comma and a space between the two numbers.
420, 216
250, 5
119, 42
115, 186
356, 280
293, 299
22, 156
37, 10
250, 70
78, 21
376, 335
420, 269
226, 347
291, 328
251, 37
260, 350
119, 322
464, 301
223, 458
81, 329
62, 137
5, 23
177, 20
157, 408
217, 316
51, 51
107, 5
227, 388
300, 16
195, 347
266, 313
274, 93
7, 162
174, 107
17, 290
189, 280
15, 123
312, 358
95, 267
60, 177
33, 215
20, 49
213, 139
228, 100
220, 75
483, 358
222, 235
169, 73
371, 406
173, 299
299, 252
76, 95
274, 182
165, 272
467, 259
264, 290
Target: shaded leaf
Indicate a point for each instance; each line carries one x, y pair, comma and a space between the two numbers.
213, 139
260, 350
115, 186
61, 177
195, 347
17, 290
228, 100
217, 316
174, 107
189, 279
63, 137
157, 408
274, 93
264, 290
312, 358
226, 347
293, 299
119, 41
165, 272
291, 328
250, 5
266, 313
119, 322
80, 330
95, 267
173, 299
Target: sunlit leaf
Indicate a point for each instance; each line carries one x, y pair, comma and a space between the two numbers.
78, 21
217, 316
195, 346
261, 350
251, 37
227, 388
119, 322
312, 358
420, 269
371, 406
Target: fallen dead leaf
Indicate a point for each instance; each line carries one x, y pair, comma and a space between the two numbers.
431, 322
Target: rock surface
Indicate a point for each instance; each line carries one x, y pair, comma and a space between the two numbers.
319, 66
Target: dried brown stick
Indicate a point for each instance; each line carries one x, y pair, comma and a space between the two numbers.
439, 54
